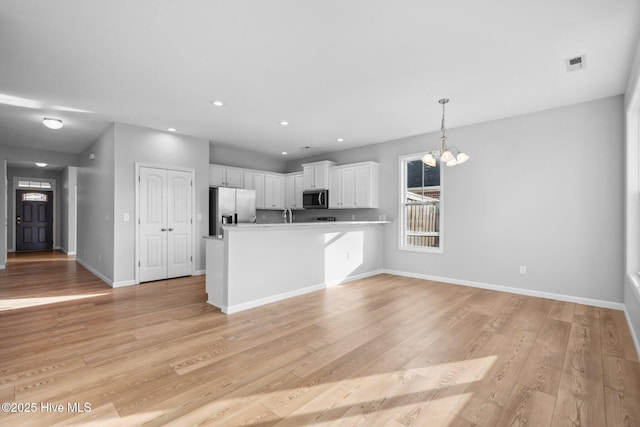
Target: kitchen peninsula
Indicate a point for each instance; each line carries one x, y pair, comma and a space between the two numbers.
256, 264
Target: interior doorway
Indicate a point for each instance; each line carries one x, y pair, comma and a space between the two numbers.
34, 220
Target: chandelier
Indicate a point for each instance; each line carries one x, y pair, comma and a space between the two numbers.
445, 153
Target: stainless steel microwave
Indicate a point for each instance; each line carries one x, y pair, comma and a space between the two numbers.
315, 199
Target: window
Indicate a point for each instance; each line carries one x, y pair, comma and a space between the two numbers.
34, 197
34, 184
421, 189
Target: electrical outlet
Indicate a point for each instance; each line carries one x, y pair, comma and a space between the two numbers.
523, 270
353, 217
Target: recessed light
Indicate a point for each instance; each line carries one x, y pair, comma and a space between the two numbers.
41, 165
284, 123
52, 123
284, 153
217, 103
171, 129
340, 140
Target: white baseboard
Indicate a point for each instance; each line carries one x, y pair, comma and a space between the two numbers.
70, 253
633, 282
95, 272
123, 283
200, 272
274, 298
519, 291
10, 250
2, 267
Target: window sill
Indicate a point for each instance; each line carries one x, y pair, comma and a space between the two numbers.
423, 250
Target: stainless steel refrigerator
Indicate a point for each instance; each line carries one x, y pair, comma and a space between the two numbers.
230, 206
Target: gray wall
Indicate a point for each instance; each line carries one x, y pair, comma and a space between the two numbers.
135, 144
13, 172
9, 153
542, 190
95, 205
231, 156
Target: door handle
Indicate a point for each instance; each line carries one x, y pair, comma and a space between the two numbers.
170, 229
163, 229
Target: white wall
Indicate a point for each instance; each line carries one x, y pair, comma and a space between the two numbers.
69, 178
542, 190
632, 200
135, 144
95, 246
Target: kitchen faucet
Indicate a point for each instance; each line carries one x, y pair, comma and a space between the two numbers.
287, 211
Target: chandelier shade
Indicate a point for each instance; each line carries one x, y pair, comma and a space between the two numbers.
451, 156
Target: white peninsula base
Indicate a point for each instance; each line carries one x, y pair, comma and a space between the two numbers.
256, 264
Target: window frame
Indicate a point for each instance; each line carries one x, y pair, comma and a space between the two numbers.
403, 161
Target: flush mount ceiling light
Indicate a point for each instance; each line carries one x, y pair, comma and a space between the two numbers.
284, 153
217, 103
340, 139
445, 153
171, 129
284, 123
52, 123
41, 165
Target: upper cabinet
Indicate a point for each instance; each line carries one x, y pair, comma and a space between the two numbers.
294, 185
354, 186
273, 191
225, 176
255, 181
316, 175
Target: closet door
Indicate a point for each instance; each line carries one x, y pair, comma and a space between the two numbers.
165, 223
153, 224
179, 237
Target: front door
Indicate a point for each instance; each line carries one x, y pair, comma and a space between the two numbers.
34, 220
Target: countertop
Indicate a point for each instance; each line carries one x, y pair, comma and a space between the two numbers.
283, 225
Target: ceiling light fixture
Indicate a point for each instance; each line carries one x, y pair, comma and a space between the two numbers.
340, 140
284, 123
52, 123
217, 103
41, 165
284, 153
171, 129
445, 153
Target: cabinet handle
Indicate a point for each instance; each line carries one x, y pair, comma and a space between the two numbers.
171, 229
163, 229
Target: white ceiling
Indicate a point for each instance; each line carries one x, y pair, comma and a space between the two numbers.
364, 70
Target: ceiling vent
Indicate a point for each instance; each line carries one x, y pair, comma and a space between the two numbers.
576, 63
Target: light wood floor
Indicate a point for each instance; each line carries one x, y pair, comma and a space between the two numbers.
382, 351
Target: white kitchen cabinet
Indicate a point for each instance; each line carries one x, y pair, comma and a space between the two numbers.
294, 185
316, 175
225, 176
255, 181
354, 186
273, 191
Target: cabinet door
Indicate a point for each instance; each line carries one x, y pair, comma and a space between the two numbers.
217, 176
255, 181
290, 191
309, 177
273, 192
362, 187
298, 189
335, 188
321, 176
234, 178
348, 188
